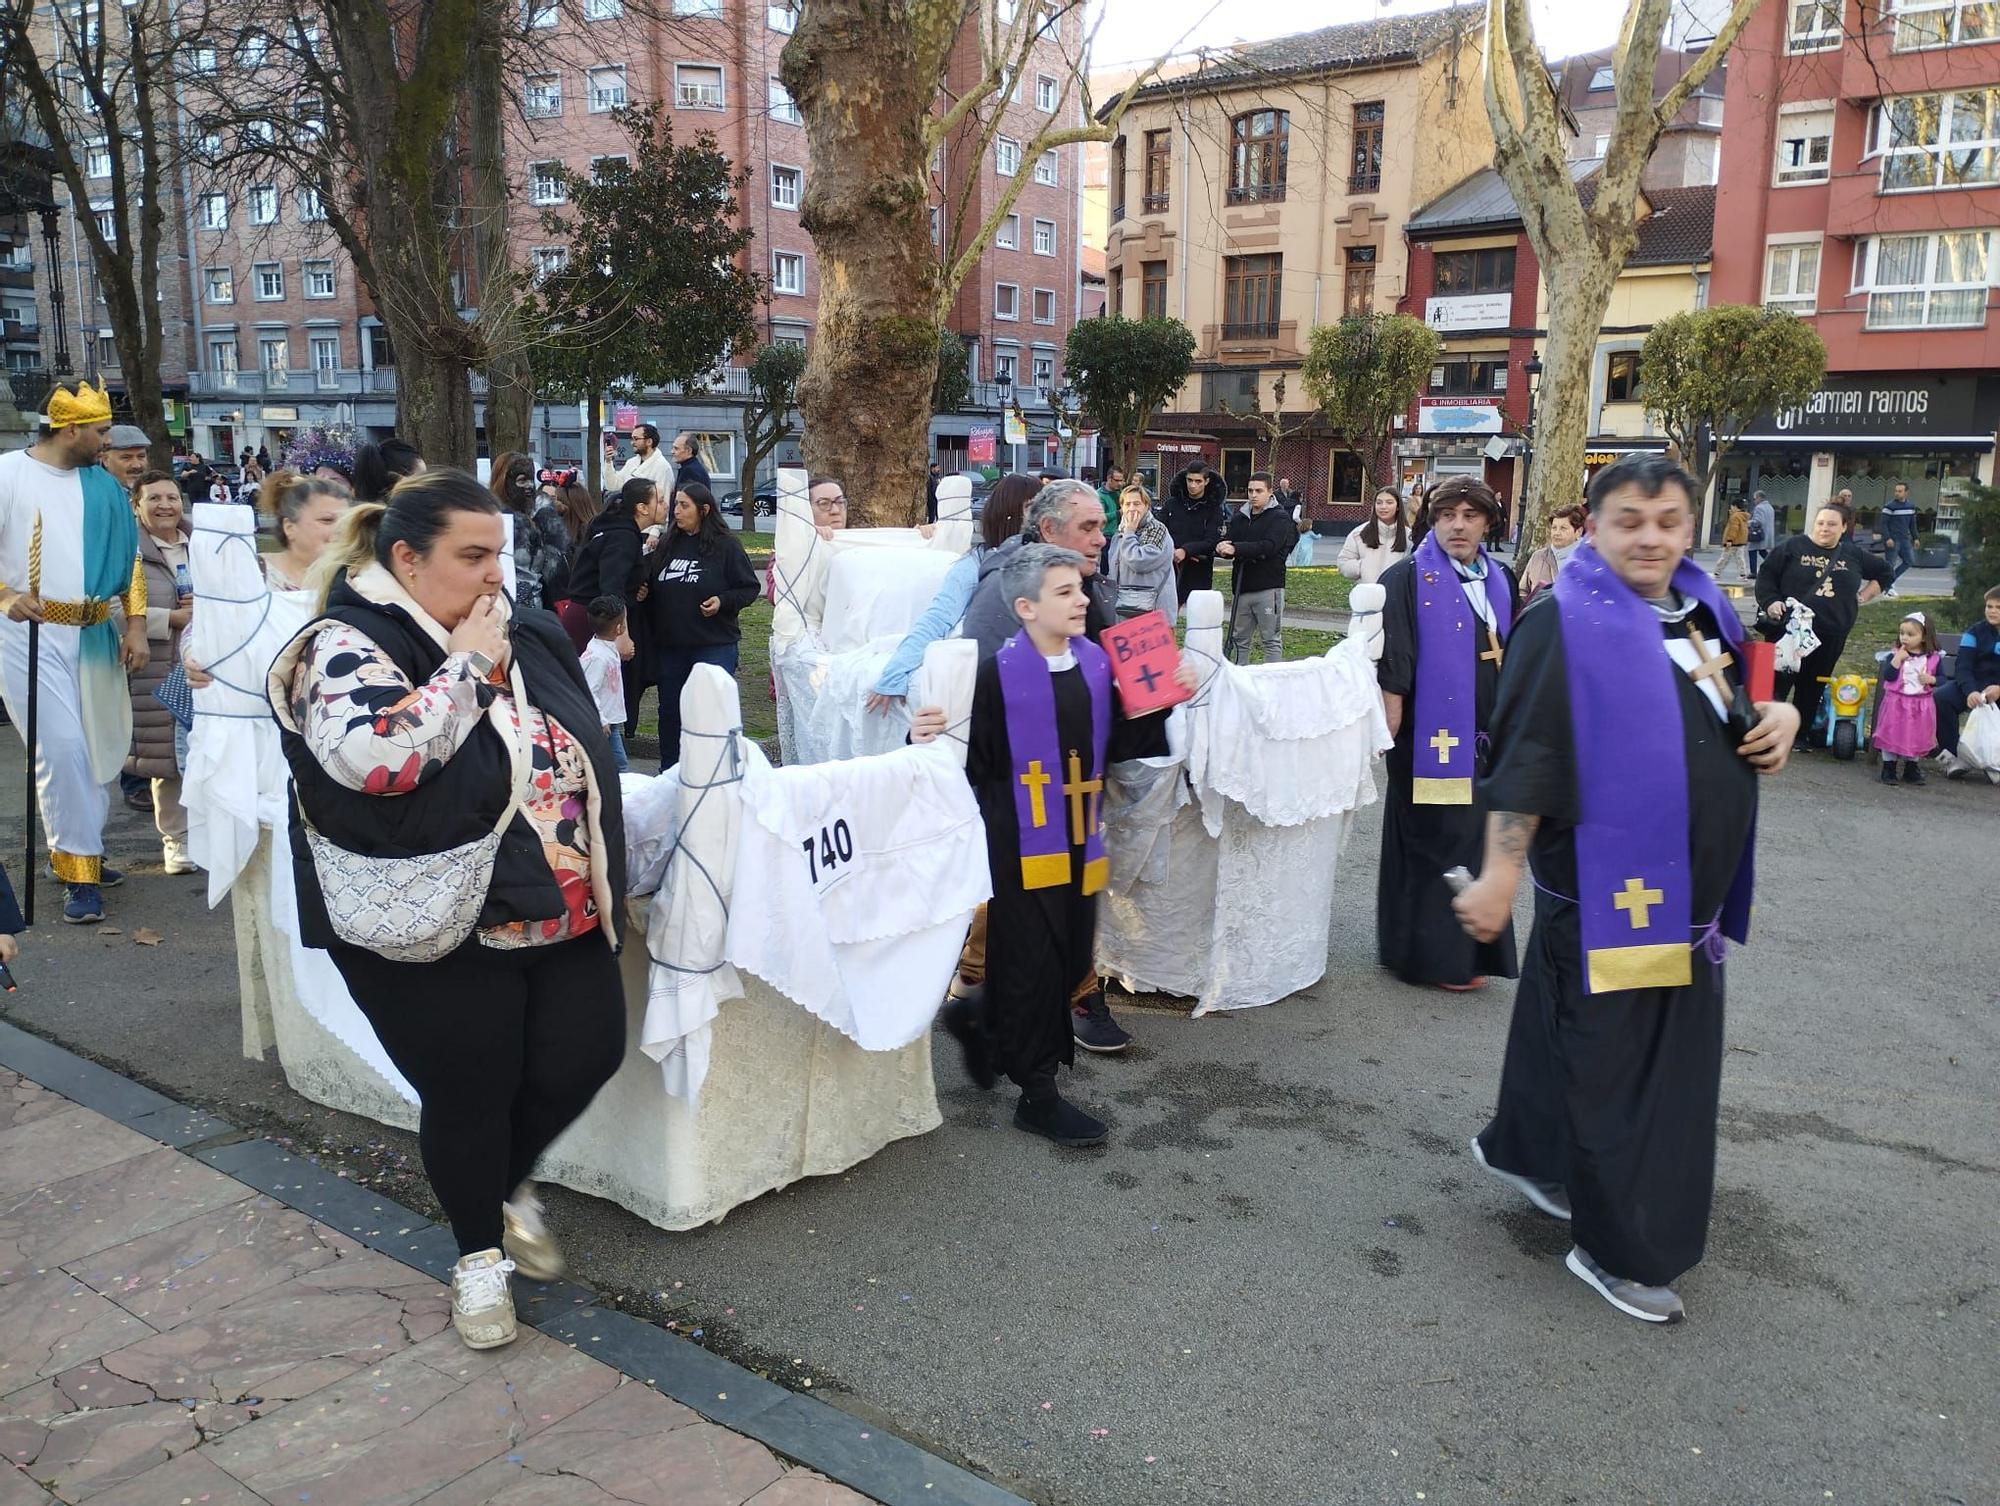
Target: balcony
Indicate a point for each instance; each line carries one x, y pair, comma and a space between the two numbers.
224, 385
1001, 394
1154, 203
1365, 183
1257, 193
1249, 342
20, 329
1266, 329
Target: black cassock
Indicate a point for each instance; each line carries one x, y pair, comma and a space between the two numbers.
1039, 942
1417, 936
1613, 1094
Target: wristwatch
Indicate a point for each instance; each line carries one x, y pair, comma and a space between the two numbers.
481, 665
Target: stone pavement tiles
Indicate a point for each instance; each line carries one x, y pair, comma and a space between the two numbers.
171, 1337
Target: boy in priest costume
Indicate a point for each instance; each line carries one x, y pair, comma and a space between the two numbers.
1446, 614
1624, 777
1042, 709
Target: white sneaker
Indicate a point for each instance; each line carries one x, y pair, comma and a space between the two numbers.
534, 1250
482, 1302
1891, 594
1954, 767
174, 853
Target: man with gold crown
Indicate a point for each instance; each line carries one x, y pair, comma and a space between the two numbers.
69, 561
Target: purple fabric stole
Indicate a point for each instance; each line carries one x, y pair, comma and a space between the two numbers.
1450, 639
1633, 879
1044, 781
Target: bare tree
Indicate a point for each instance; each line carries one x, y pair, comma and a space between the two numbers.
865, 73
1582, 237
100, 78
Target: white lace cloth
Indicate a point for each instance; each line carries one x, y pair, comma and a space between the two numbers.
1223, 864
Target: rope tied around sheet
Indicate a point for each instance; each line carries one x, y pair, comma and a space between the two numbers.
262, 599
732, 754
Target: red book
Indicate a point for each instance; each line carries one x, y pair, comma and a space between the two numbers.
1760, 669
1144, 657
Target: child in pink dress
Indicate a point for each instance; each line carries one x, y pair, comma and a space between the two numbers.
1906, 726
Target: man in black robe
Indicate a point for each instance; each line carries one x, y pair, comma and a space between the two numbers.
1607, 1104
1416, 937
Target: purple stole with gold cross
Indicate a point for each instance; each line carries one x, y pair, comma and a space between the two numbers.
1056, 806
1634, 884
1451, 640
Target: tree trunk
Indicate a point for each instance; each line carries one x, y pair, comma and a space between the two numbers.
1579, 282
857, 70
593, 444
510, 385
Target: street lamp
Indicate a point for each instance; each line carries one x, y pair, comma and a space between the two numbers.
1531, 373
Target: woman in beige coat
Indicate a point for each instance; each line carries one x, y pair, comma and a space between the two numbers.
163, 554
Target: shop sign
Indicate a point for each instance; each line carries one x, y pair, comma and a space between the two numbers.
1891, 406
1455, 415
1169, 447
1470, 311
279, 415
625, 418
980, 442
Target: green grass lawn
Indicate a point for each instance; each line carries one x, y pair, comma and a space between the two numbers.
1308, 588
1875, 628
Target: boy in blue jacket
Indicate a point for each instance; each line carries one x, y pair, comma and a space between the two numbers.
1974, 682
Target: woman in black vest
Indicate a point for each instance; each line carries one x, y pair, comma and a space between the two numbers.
419, 713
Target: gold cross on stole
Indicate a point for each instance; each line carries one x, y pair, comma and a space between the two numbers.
1637, 901
1443, 743
1034, 779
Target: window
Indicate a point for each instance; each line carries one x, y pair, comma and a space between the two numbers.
1045, 237
268, 278
201, 60
1006, 301
708, 9
1250, 297
312, 208
545, 185
1045, 305
311, 115
1913, 281
548, 260
274, 355
1152, 290
937, 227
258, 133
107, 350
1045, 94
1257, 157
1114, 293
607, 87
1159, 165
1814, 25
222, 358
782, 106
1117, 183
536, 14
207, 145
324, 352
213, 213
1805, 147
783, 15
788, 272
1366, 176
541, 96
1007, 235
263, 202
1006, 365
1359, 295
97, 160
218, 285
1473, 376
1603, 78
318, 278
1007, 156
1939, 23
793, 335
1791, 276
1621, 377
1488, 271
1938, 140
787, 183
307, 36
107, 226
381, 353
606, 10
1599, 144
253, 50
1044, 369
697, 86
1045, 167
600, 166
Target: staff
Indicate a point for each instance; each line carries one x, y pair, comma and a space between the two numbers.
34, 697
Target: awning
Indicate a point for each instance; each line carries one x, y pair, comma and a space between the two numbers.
1876, 441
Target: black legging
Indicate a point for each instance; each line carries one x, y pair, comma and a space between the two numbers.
1803, 689
504, 1048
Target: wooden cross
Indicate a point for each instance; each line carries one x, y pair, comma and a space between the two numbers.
1711, 669
1493, 655
1078, 788
1034, 779
1443, 743
1637, 901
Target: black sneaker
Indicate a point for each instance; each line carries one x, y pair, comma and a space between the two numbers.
960, 1018
1056, 1118
1913, 772
1094, 1028
1888, 771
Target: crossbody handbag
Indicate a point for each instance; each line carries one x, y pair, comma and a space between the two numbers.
419, 908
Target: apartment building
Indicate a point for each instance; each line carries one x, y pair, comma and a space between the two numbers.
1264, 192
1860, 188
1689, 151
279, 333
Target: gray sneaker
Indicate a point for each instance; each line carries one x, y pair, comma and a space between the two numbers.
1551, 1197
1650, 1304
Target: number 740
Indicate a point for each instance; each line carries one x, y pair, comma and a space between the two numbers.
833, 846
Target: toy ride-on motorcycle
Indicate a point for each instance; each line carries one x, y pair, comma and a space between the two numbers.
1844, 713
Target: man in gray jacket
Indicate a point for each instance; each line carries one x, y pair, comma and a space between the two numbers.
1763, 530
1068, 515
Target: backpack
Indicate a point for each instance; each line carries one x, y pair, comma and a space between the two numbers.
1756, 532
